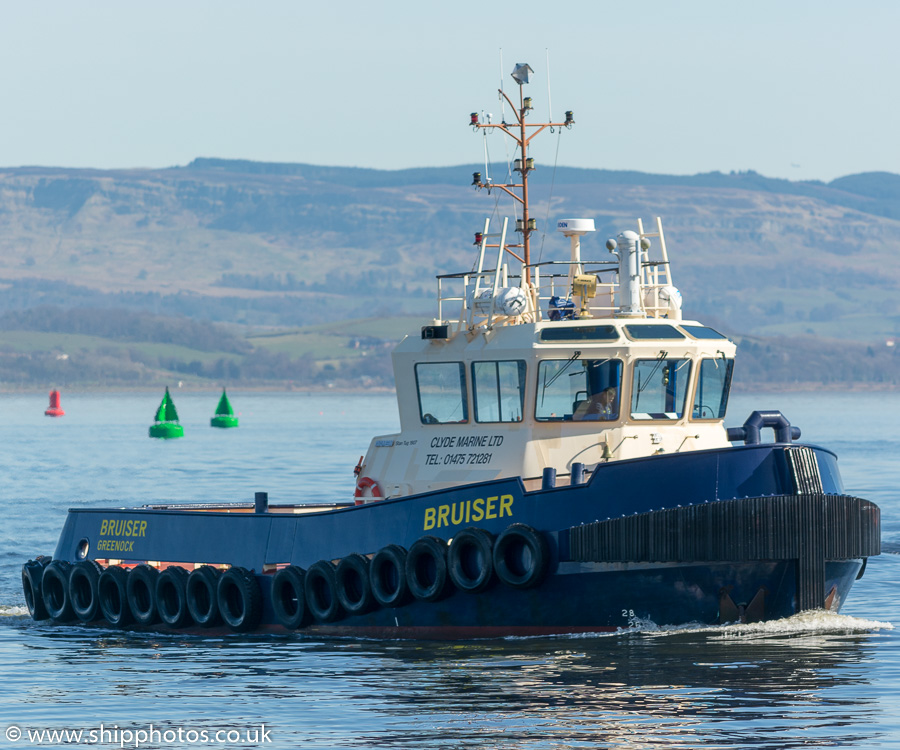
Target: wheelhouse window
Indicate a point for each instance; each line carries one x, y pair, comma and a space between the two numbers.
713, 386
442, 392
578, 389
499, 390
650, 331
579, 333
659, 388
702, 332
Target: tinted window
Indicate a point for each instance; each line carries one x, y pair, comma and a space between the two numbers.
579, 333
702, 332
499, 391
643, 331
659, 388
579, 389
713, 385
442, 392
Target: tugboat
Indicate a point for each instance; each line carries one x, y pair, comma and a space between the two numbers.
562, 467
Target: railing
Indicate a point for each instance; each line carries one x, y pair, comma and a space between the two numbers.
548, 280
456, 292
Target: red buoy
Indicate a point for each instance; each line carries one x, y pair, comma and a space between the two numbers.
54, 409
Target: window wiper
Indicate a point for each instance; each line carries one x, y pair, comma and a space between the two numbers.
552, 380
659, 360
565, 367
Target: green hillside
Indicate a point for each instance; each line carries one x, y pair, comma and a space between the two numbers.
142, 351
351, 354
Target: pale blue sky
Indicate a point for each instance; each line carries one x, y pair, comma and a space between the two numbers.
803, 90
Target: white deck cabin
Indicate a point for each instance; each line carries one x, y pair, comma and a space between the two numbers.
548, 368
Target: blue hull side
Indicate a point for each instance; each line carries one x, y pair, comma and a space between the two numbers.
593, 592
599, 600
616, 489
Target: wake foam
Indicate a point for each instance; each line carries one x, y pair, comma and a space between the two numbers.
13, 610
815, 621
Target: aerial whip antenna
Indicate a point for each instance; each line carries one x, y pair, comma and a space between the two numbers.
549, 100
502, 104
521, 132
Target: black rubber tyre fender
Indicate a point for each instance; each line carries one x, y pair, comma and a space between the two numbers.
55, 591
140, 591
112, 595
521, 556
289, 597
240, 599
84, 594
171, 597
354, 589
321, 592
32, 573
470, 560
202, 601
387, 576
426, 569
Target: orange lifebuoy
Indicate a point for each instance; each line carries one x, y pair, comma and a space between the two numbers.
367, 483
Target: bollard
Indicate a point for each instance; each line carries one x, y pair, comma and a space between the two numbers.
262, 502
549, 478
577, 473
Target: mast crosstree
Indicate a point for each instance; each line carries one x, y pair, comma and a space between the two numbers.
522, 132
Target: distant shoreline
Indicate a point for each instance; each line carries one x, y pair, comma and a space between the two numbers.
737, 389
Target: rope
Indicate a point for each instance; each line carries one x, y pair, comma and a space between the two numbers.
550, 199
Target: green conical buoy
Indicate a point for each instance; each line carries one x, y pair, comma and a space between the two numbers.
224, 414
166, 426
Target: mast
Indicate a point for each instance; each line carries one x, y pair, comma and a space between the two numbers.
522, 133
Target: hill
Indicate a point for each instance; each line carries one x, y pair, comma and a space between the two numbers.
266, 247
281, 244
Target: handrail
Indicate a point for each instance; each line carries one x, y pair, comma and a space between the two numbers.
656, 292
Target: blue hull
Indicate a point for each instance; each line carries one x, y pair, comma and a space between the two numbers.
700, 537
581, 601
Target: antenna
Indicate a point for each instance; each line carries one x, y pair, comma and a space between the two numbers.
522, 133
549, 99
502, 105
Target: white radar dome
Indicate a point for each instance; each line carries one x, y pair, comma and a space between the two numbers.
575, 227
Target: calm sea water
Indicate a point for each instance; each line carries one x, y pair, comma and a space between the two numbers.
812, 681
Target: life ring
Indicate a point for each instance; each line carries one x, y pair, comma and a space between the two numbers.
387, 576
32, 572
362, 485
354, 590
55, 591
289, 597
320, 591
171, 597
240, 599
83, 590
426, 568
112, 595
140, 591
520, 556
469, 560
200, 593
